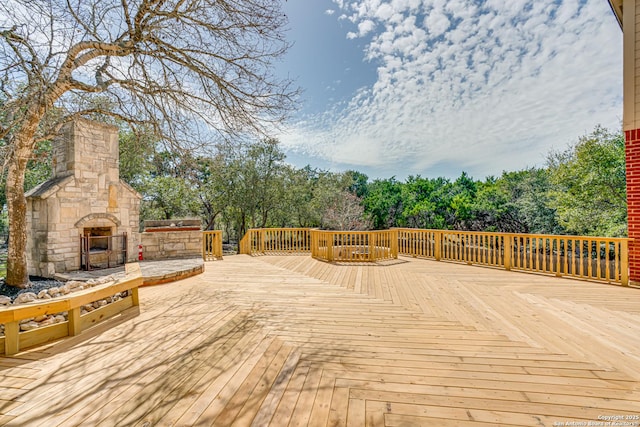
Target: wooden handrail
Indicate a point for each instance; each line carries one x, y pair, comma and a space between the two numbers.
72, 303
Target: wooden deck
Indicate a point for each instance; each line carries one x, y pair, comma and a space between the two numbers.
280, 341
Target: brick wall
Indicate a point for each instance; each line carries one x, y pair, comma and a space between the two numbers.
632, 138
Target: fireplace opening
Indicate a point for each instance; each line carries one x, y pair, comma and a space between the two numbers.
100, 248
98, 238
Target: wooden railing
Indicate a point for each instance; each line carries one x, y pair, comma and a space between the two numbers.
584, 257
596, 258
260, 241
353, 246
604, 259
212, 245
14, 339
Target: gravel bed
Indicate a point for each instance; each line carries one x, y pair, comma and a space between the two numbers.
36, 284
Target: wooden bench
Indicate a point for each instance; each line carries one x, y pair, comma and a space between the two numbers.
15, 340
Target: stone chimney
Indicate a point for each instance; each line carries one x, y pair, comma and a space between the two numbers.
84, 197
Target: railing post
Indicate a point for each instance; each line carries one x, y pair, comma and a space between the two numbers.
372, 245
508, 251
74, 322
437, 236
135, 296
204, 246
624, 262
329, 245
11, 338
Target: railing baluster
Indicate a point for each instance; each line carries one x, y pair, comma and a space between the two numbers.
565, 253
589, 257
607, 265
598, 259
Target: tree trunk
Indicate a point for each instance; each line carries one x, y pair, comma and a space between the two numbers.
17, 213
22, 144
211, 221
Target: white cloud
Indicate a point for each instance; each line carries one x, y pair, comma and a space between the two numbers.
508, 81
365, 27
329, 12
437, 23
384, 12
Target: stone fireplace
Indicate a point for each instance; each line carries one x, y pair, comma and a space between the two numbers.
85, 213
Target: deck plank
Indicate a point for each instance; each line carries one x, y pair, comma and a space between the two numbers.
288, 340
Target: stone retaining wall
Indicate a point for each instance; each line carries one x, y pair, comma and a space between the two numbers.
171, 244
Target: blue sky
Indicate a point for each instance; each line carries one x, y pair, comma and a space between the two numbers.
437, 87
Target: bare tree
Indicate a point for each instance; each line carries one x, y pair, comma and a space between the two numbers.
346, 213
177, 67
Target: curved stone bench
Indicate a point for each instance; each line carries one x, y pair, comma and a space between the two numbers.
15, 340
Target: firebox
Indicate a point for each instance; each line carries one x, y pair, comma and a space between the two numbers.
98, 238
101, 249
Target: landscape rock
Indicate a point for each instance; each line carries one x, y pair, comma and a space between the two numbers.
60, 318
5, 300
105, 279
40, 318
28, 326
46, 322
53, 291
25, 297
74, 284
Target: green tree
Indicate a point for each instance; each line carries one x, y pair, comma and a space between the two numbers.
357, 183
439, 203
297, 207
589, 184
210, 182
517, 202
254, 174
137, 148
462, 199
384, 203
424, 203
168, 197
